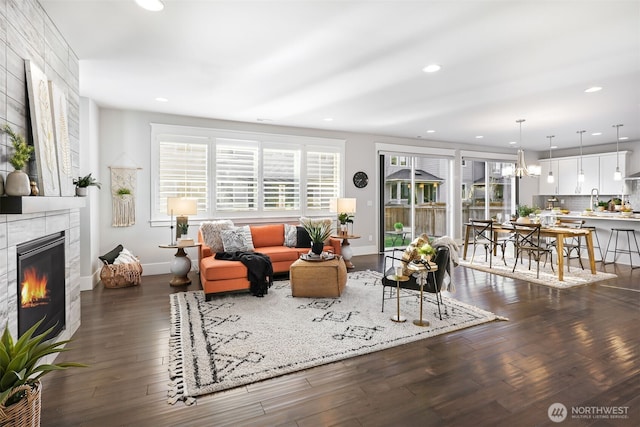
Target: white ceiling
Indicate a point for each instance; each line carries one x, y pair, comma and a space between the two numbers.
360, 63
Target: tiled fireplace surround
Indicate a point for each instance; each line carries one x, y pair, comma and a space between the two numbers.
16, 229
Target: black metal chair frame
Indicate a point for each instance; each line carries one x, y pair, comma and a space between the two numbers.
528, 240
434, 279
483, 234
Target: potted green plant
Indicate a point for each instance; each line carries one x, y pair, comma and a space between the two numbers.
82, 183
426, 251
344, 219
319, 231
523, 213
18, 183
20, 373
398, 226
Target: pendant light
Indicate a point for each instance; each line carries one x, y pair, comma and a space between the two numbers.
550, 178
521, 167
617, 175
580, 170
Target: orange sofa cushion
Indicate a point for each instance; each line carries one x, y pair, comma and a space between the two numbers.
267, 235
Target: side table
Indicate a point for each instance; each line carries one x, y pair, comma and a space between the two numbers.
345, 247
398, 278
181, 264
423, 271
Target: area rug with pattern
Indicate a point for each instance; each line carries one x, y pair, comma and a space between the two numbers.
237, 339
548, 277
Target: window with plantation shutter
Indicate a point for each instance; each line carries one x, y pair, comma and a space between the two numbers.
183, 172
281, 179
236, 175
323, 179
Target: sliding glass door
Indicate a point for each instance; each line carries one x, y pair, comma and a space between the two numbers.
487, 191
415, 191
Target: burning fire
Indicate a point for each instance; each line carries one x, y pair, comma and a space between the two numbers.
34, 288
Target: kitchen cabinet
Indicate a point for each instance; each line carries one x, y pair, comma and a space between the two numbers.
591, 168
608, 162
567, 178
598, 173
547, 188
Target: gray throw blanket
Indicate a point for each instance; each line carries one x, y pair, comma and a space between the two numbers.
259, 269
453, 259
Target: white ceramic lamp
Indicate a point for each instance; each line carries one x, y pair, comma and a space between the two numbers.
180, 207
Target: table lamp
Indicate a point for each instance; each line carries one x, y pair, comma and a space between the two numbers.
180, 207
345, 208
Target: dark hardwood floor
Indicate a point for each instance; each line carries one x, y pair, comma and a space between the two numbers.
578, 347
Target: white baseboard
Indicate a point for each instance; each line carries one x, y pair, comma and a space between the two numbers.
88, 283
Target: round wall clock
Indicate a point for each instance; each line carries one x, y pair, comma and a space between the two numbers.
360, 179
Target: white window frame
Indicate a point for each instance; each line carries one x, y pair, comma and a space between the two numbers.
265, 140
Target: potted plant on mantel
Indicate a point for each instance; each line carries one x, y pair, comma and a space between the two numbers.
20, 373
18, 182
82, 183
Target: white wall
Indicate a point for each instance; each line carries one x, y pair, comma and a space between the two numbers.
125, 137
90, 216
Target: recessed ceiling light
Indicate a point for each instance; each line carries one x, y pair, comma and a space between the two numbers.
328, 119
479, 136
513, 142
161, 99
593, 89
622, 138
152, 5
596, 134
553, 147
431, 131
432, 68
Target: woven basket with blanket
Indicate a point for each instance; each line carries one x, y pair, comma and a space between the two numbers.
121, 269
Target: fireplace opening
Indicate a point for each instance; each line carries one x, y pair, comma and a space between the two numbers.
41, 284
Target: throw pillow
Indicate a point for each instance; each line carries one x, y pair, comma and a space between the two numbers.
235, 239
111, 256
290, 235
302, 238
211, 233
411, 253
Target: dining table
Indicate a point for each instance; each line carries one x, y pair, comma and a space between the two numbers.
556, 232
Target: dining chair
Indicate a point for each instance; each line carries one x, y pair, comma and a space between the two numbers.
527, 239
572, 244
483, 235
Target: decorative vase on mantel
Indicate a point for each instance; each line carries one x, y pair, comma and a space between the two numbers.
17, 184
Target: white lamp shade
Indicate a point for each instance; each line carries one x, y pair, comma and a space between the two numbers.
617, 175
347, 205
181, 206
342, 205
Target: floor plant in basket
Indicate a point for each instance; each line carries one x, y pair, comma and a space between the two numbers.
20, 373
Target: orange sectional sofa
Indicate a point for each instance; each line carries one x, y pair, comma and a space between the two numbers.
223, 276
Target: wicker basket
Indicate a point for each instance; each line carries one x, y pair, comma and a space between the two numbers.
121, 275
26, 412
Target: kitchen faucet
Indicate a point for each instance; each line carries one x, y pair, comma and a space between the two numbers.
597, 194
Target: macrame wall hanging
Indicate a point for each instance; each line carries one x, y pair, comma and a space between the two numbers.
123, 196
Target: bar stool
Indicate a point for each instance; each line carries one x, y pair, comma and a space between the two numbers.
596, 241
623, 251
